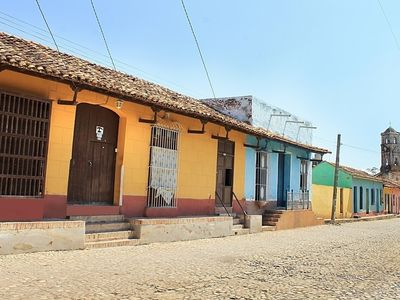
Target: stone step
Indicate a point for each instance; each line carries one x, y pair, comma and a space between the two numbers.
270, 219
221, 210
269, 211
233, 215
113, 243
108, 236
240, 231
237, 226
107, 227
266, 223
268, 228
237, 221
271, 215
98, 219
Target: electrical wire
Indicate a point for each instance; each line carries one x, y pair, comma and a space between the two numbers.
198, 47
103, 35
85, 53
47, 24
54, 40
389, 24
347, 145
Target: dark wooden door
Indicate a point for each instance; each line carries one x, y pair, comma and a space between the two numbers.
92, 169
225, 167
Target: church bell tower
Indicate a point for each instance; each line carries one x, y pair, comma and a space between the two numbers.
390, 154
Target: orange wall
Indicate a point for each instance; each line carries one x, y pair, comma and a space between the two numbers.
197, 155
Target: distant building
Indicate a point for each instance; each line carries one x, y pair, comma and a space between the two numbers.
390, 154
359, 194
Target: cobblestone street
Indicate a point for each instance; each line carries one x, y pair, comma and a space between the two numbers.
350, 261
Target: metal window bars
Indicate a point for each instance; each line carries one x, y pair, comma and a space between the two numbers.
24, 134
298, 200
261, 176
163, 167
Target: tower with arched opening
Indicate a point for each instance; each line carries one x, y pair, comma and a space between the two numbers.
390, 154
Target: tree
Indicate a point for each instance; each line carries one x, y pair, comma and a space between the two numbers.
372, 170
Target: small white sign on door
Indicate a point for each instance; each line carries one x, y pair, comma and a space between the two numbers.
99, 132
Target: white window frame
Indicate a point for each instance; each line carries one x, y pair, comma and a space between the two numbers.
163, 167
257, 184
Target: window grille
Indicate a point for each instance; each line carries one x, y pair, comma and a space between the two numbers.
163, 171
261, 176
24, 134
303, 175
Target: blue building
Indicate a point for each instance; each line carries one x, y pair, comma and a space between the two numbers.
278, 173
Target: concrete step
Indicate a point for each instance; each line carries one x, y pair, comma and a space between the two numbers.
271, 215
107, 227
268, 228
269, 211
270, 219
237, 226
98, 219
266, 223
237, 221
221, 210
113, 243
240, 231
108, 236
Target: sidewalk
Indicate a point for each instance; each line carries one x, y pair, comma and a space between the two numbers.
371, 218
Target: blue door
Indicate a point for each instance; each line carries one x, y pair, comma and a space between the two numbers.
283, 179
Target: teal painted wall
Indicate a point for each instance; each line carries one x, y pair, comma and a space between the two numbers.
360, 204
291, 171
323, 174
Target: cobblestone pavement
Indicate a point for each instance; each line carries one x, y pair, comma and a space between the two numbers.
351, 261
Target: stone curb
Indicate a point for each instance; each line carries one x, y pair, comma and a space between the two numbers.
364, 219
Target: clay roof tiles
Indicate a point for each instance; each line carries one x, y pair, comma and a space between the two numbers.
358, 173
32, 58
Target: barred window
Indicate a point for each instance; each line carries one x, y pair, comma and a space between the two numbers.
261, 176
24, 134
163, 172
303, 175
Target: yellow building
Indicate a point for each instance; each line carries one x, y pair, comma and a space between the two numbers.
322, 202
358, 193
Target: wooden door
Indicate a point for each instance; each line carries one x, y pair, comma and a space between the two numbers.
225, 167
92, 168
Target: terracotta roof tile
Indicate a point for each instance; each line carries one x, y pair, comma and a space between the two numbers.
38, 60
358, 173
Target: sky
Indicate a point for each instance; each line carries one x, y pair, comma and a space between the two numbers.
334, 63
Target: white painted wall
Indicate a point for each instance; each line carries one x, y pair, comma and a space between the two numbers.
255, 111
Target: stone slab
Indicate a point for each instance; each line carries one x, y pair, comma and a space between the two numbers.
253, 223
25, 237
180, 229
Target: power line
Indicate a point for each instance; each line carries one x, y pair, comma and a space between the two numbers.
85, 53
47, 24
54, 40
347, 145
102, 33
198, 47
389, 24
360, 148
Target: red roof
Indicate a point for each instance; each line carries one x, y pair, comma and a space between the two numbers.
24, 56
